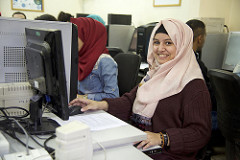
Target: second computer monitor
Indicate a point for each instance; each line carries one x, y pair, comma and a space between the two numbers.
122, 19
232, 53
82, 15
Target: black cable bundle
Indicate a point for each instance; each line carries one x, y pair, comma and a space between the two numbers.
8, 126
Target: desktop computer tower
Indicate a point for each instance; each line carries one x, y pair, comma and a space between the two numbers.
143, 36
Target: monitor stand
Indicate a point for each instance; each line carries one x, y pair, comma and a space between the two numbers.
47, 126
36, 124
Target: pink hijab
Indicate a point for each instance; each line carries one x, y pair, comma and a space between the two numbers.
171, 77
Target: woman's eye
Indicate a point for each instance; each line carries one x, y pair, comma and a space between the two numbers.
156, 42
168, 43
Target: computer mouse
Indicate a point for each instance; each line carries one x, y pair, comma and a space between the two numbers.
74, 110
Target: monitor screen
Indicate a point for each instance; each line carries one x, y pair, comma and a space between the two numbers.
133, 43
123, 19
81, 15
232, 53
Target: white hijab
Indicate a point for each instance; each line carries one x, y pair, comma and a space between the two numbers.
171, 77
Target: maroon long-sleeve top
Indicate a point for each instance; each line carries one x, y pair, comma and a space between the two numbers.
186, 117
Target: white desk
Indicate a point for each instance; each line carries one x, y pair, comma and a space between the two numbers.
112, 153
117, 142
121, 153
117, 136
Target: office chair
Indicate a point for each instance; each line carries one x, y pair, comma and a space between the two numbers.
113, 51
128, 68
204, 154
227, 90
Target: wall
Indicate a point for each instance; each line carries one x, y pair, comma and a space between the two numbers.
228, 9
234, 22
50, 6
142, 11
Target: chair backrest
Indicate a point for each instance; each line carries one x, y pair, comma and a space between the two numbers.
128, 68
113, 51
226, 86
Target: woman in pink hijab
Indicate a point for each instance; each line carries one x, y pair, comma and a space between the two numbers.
172, 103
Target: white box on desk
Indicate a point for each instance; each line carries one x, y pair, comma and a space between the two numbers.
74, 142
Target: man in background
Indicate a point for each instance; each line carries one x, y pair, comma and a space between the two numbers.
199, 36
64, 17
46, 17
19, 15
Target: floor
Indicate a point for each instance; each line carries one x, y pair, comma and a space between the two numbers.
218, 157
219, 154
218, 146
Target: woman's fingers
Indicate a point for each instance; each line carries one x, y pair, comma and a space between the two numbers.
79, 101
88, 104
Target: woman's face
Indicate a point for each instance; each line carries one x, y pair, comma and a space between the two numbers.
163, 48
80, 44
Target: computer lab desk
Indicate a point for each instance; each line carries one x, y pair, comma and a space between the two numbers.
116, 141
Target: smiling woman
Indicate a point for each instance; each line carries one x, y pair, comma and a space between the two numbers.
172, 103
163, 47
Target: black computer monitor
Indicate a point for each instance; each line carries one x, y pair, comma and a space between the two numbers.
143, 37
122, 19
82, 15
46, 74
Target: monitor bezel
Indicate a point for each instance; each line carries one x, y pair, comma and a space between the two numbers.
225, 66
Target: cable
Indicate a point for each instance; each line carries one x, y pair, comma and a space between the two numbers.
47, 110
104, 150
35, 140
27, 138
52, 154
40, 137
49, 149
14, 107
9, 130
48, 100
44, 108
226, 28
12, 135
4, 113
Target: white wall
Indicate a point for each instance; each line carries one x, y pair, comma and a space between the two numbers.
52, 7
234, 21
228, 9
142, 11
